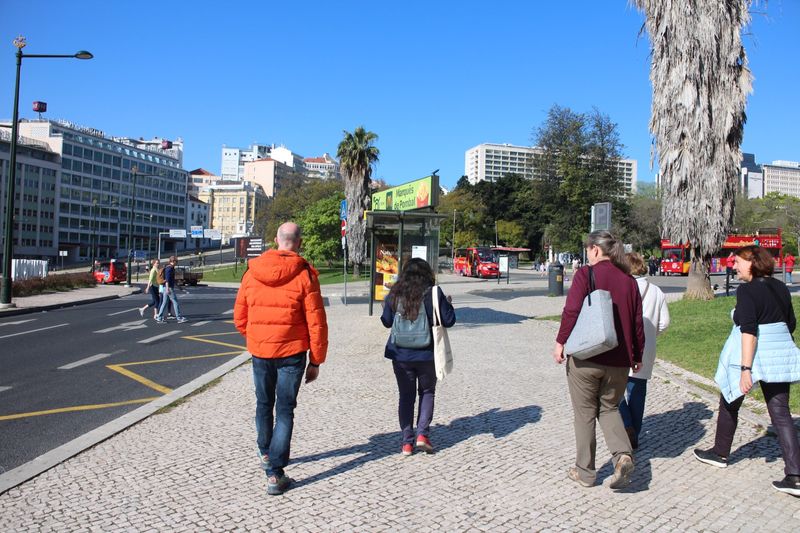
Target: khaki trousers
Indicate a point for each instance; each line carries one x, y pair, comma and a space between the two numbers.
595, 391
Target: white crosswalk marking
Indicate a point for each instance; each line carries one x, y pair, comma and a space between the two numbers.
159, 337
32, 331
4, 389
87, 360
201, 323
17, 322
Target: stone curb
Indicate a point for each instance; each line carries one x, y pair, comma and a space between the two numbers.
46, 461
14, 311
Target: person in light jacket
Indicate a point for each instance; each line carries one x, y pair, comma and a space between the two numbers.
655, 317
761, 350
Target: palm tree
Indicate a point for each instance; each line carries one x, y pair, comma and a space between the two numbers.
357, 155
700, 84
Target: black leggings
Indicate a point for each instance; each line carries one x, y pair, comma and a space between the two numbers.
777, 397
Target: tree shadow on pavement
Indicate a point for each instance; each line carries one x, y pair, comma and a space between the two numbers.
664, 435
498, 423
473, 317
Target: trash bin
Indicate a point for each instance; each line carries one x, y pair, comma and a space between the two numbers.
555, 280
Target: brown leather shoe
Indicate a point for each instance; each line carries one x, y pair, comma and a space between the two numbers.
622, 472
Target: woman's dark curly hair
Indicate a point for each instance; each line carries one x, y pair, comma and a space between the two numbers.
416, 278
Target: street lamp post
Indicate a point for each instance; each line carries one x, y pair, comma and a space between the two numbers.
134, 171
5, 290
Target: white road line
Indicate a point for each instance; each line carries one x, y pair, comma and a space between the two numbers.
17, 322
88, 360
4, 389
228, 312
201, 323
32, 331
125, 311
157, 337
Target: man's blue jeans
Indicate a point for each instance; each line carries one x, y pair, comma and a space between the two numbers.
277, 383
168, 296
631, 407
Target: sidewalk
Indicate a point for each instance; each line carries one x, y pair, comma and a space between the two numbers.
502, 430
56, 300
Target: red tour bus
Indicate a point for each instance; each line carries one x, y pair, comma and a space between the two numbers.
675, 258
477, 261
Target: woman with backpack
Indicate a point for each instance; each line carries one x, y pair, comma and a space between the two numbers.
153, 285
408, 310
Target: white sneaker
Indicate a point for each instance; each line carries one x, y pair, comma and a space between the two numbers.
141, 311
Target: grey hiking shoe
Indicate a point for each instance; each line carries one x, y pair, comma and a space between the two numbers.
622, 473
277, 485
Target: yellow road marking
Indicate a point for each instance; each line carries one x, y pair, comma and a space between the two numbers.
198, 339
75, 408
141, 379
184, 358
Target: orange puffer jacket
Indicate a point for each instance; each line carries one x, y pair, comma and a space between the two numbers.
279, 308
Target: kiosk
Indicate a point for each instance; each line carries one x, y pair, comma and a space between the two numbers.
402, 225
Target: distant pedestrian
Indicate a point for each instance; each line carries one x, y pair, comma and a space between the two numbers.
760, 348
576, 263
280, 312
153, 289
414, 368
655, 315
169, 295
730, 261
596, 385
788, 265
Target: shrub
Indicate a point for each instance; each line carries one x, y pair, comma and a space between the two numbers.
55, 283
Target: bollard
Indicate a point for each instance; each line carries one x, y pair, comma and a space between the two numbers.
555, 280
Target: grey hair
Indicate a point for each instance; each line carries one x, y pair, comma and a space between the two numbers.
611, 247
292, 236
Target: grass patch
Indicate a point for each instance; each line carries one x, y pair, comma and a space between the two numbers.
51, 284
327, 276
181, 401
554, 318
696, 335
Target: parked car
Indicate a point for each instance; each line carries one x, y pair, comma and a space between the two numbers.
111, 271
185, 276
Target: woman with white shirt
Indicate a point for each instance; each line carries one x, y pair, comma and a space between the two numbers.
655, 316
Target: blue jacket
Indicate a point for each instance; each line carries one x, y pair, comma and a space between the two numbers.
407, 355
777, 359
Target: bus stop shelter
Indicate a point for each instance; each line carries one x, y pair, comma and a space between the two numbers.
395, 237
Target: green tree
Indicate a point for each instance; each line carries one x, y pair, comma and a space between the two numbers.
700, 84
510, 233
357, 156
321, 229
643, 226
470, 217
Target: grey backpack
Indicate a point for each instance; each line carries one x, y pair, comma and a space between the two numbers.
411, 333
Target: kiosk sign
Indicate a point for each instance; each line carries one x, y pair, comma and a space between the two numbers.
412, 195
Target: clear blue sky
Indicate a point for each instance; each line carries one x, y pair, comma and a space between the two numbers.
432, 79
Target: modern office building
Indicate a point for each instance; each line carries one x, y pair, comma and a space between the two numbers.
36, 192
782, 177
233, 159
324, 167
492, 161
267, 174
232, 207
752, 177
97, 194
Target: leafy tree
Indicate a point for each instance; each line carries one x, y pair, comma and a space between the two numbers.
321, 229
700, 84
470, 217
357, 155
510, 233
643, 226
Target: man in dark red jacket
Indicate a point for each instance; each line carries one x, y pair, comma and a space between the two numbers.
597, 384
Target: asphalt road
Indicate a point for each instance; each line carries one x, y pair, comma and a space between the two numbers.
66, 372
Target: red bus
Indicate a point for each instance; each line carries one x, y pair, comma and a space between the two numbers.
675, 257
476, 261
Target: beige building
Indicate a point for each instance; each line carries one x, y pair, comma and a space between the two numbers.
232, 207
199, 178
267, 173
490, 162
782, 177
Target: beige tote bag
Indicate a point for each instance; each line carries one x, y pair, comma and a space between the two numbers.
442, 353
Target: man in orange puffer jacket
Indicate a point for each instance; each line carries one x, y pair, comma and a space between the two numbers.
279, 310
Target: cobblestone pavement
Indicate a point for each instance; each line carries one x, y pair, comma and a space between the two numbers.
502, 430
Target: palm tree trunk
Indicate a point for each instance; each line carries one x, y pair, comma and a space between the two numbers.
698, 286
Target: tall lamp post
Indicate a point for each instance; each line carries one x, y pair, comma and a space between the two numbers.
5, 290
134, 171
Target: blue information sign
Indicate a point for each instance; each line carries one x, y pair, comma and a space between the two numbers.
343, 210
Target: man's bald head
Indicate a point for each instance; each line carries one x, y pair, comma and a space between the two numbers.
288, 237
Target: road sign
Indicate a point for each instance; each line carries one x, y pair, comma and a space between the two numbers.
344, 243
63, 253
197, 232
177, 234
213, 234
255, 247
344, 228
343, 210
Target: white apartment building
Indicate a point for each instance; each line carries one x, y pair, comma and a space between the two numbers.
38, 177
324, 167
233, 159
489, 161
288, 158
782, 177
97, 195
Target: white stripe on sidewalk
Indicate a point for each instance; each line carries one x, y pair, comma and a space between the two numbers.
157, 337
125, 311
228, 312
88, 360
32, 331
201, 323
4, 389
